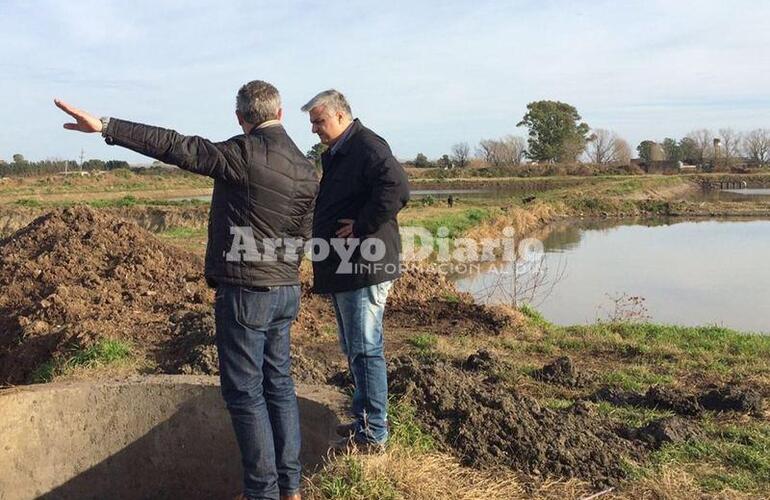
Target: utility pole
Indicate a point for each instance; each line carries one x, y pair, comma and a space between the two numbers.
82, 158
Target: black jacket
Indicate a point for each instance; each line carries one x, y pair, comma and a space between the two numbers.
361, 181
262, 181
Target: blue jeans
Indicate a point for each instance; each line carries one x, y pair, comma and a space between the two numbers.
252, 331
359, 320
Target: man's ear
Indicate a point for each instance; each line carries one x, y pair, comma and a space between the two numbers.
279, 114
240, 118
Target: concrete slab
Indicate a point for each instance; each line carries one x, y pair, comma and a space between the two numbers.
146, 437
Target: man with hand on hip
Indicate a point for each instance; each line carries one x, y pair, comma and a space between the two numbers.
261, 211
363, 187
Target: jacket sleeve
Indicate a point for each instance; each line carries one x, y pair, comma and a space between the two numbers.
219, 160
389, 188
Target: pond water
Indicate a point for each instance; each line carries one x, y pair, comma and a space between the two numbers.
749, 194
676, 272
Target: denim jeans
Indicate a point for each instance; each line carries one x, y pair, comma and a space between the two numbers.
359, 321
252, 332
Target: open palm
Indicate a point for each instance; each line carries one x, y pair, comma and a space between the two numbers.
84, 122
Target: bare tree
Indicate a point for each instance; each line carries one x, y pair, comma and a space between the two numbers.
621, 152
703, 142
731, 144
600, 146
515, 148
605, 147
756, 145
507, 151
460, 154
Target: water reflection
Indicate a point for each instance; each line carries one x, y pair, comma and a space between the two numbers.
689, 272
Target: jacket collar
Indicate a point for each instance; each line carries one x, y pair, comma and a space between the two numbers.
355, 127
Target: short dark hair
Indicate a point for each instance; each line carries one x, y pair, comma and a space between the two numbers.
258, 102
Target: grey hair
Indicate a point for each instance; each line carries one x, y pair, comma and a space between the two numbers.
258, 102
332, 99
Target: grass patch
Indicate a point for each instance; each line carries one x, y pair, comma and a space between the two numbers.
728, 456
125, 201
635, 378
28, 202
456, 222
104, 352
183, 232
631, 415
423, 342
346, 480
405, 430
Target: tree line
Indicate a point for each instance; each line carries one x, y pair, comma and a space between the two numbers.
556, 134
703, 146
20, 167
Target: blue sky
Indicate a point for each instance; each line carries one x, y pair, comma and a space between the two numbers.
424, 75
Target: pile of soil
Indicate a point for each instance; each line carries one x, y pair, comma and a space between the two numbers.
729, 397
424, 297
488, 423
561, 371
76, 275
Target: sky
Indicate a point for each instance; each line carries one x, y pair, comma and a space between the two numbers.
423, 74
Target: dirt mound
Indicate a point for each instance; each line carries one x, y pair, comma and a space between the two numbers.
561, 371
725, 398
423, 296
487, 422
666, 430
76, 275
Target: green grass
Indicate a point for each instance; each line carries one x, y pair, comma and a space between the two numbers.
346, 480
455, 223
423, 342
635, 378
405, 430
28, 202
631, 415
727, 456
104, 352
126, 201
183, 232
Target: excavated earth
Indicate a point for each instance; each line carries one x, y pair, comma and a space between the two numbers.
75, 276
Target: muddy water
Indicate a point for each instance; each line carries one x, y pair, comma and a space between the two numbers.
688, 273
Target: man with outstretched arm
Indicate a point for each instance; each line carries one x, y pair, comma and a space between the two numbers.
363, 187
264, 191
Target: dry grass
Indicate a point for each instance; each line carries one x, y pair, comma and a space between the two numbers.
401, 473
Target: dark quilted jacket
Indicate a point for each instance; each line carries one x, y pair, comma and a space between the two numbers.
262, 181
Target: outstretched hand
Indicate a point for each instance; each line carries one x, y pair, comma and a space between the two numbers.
84, 121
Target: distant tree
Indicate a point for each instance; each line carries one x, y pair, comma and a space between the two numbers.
621, 152
93, 164
460, 154
703, 141
508, 151
756, 145
314, 153
556, 133
18, 160
731, 144
605, 148
421, 161
649, 151
688, 150
671, 149
444, 162
116, 164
